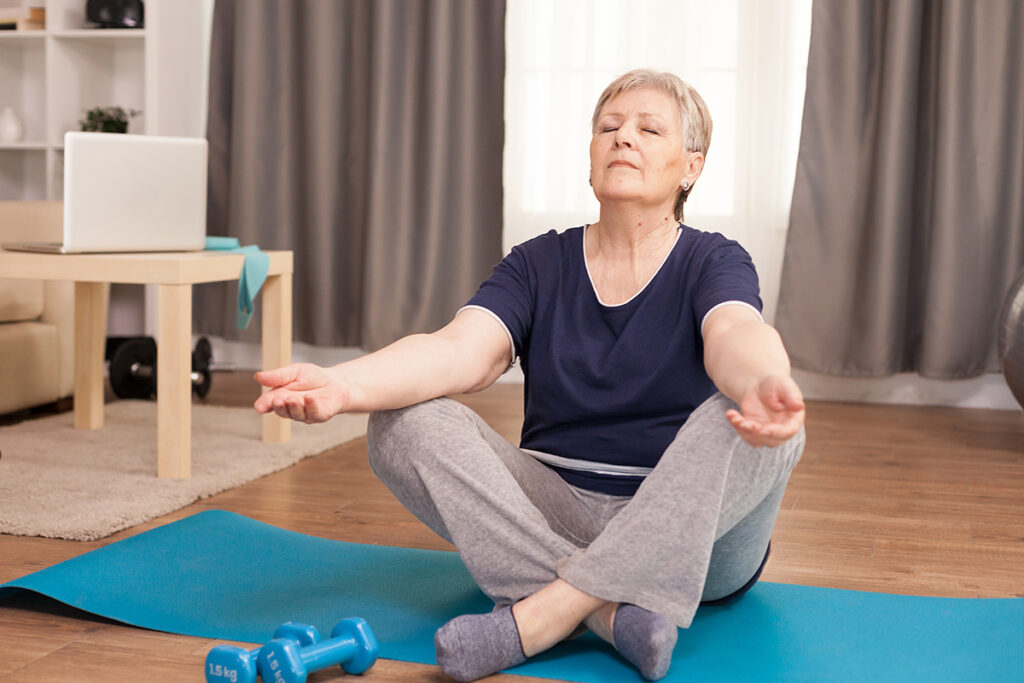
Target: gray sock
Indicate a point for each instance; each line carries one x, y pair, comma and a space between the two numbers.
476, 645
645, 639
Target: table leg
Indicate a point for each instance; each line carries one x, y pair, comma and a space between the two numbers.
277, 344
174, 385
90, 339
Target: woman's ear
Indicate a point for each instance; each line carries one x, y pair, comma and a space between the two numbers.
694, 167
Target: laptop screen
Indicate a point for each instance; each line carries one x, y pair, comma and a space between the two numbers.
126, 193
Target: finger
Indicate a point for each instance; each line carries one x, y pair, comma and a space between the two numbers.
759, 434
265, 403
277, 405
275, 400
735, 418
747, 429
794, 404
309, 411
773, 431
297, 409
315, 411
778, 434
771, 396
786, 397
279, 376
791, 397
747, 422
789, 423
283, 405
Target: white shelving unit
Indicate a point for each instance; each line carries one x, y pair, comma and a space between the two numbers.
51, 77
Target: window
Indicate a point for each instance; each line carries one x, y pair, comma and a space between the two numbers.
747, 58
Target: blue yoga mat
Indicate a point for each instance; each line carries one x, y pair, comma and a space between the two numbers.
221, 575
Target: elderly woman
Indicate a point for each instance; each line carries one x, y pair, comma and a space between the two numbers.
661, 419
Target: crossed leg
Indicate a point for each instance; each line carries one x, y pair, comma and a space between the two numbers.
552, 557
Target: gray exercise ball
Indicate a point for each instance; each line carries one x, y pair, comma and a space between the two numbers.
1011, 338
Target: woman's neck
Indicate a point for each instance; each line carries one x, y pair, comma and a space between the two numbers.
622, 257
629, 230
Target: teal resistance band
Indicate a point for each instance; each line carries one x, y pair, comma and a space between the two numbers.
254, 274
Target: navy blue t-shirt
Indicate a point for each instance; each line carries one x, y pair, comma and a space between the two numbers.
612, 384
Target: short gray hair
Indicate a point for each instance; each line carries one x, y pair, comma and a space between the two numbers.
694, 117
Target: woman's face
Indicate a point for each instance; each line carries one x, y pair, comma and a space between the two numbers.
636, 152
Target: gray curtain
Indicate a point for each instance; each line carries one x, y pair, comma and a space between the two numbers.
366, 136
907, 223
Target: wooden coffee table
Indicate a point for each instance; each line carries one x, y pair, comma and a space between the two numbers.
174, 274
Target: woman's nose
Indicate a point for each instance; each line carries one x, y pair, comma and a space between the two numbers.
623, 139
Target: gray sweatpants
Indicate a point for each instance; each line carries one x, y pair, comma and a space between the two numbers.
697, 528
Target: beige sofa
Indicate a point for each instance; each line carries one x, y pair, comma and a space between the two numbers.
37, 320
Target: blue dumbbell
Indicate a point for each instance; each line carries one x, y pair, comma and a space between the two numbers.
352, 645
232, 664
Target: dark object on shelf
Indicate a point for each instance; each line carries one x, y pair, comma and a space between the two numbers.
115, 13
107, 119
133, 367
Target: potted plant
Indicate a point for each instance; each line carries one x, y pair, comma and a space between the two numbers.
107, 119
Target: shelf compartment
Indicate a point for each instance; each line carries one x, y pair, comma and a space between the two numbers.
69, 15
22, 174
22, 79
102, 73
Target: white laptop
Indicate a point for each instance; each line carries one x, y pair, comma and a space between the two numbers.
129, 193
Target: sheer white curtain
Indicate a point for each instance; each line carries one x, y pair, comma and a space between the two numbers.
746, 57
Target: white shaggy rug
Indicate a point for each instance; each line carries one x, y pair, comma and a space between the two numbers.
61, 482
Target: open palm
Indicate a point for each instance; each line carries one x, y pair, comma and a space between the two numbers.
770, 413
303, 392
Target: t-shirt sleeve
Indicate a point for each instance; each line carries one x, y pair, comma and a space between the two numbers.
727, 276
509, 294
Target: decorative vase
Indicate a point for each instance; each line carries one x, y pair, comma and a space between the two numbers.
11, 129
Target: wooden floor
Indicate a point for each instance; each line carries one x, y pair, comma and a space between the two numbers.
925, 501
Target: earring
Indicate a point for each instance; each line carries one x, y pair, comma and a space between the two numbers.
686, 185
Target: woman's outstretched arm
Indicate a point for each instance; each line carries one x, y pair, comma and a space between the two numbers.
466, 355
746, 360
